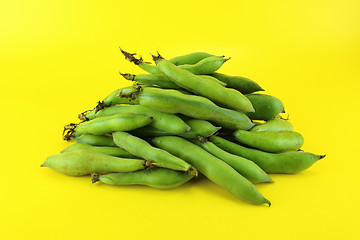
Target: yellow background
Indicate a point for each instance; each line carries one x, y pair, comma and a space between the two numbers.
58, 58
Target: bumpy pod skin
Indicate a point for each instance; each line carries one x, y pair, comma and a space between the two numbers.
109, 124
156, 177
141, 148
245, 167
173, 101
112, 151
191, 58
198, 128
266, 107
112, 98
228, 97
243, 85
96, 140
163, 121
270, 141
275, 125
213, 168
83, 162
287, 162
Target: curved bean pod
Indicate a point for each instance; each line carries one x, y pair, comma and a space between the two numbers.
191, 58
112, 151
83, 162
213, 168
275, 125
243, 85
157, 177
287, 162
159, 157
266, 107
96, 140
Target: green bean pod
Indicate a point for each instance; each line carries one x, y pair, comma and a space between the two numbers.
286, 162
228, 97
191, 58
245, 167
112, 98
213, 168
243, 85
83, 162
143, 149
173, 101
198, 128
112, 151
113, 123
163, 121
266, 107
156, 177
270, 141
275, 125
96, 140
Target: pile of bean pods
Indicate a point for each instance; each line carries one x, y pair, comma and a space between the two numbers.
179, 120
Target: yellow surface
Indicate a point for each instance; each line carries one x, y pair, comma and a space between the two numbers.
58, 58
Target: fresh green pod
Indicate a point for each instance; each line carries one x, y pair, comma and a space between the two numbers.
243, 85
227, 97
198, 128
286, 162
143, 149
275, 125
245, 167
270, 141
163, 121
213, 79
84, 162
191, 58
112, 151
213, 168
96, 140
112, 98
173, 101
156, 177
113, 123
266, 107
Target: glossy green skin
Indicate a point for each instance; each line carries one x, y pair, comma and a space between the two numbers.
191, 58
213, 168
228, 97
143, 149
245, 167
270, 141
287, 162
96, 140
83, 162
157, 177
243, 85
113, 123
205, 66
266, 107
275, 125
163, 121
113, 99
198, 128
112, 151
172, 101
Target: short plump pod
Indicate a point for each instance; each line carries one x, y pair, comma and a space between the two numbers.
163, 121
275, 125
83, 162
156, 177
245, 167
213, 168
270, 141
286, 162
112, 151
198, 128
191, 58
113, 123
173, 101
143, 149
227, 97
96, 140
243, 85
266, 106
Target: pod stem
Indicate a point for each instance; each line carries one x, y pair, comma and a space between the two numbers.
131, 57
202, 139
157, 58
95, 177
192, 171
128, 76
132, 95
101, 105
